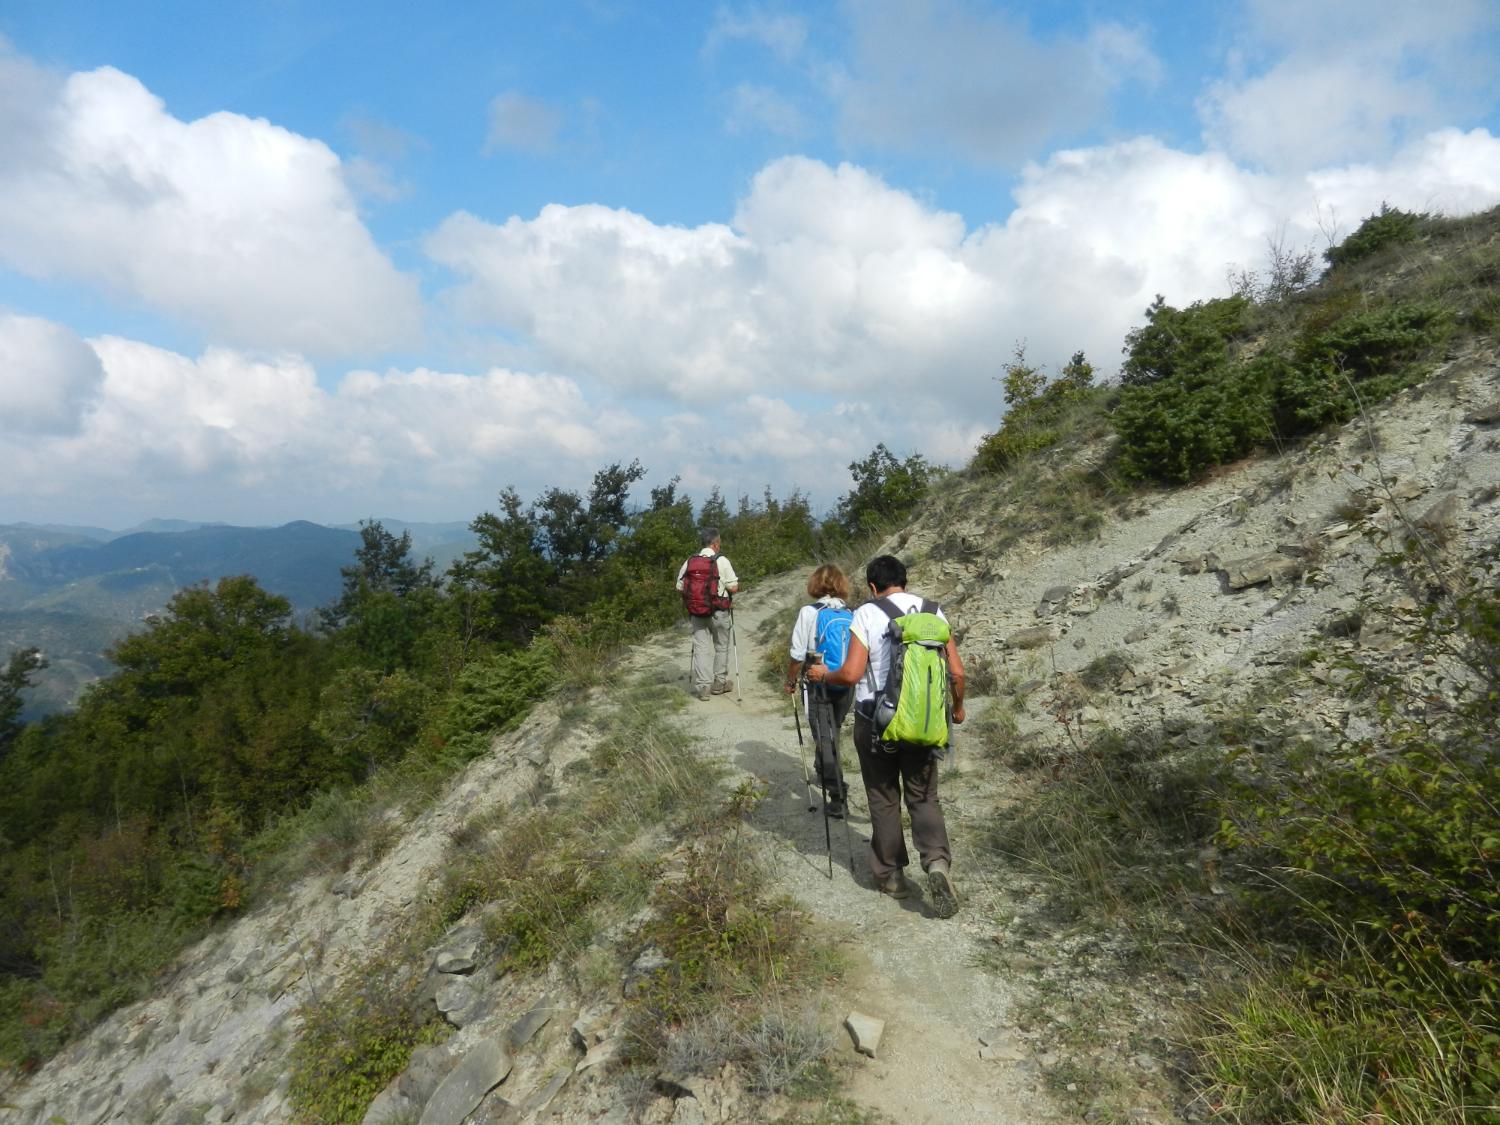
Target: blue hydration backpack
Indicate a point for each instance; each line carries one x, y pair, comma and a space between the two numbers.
831, 637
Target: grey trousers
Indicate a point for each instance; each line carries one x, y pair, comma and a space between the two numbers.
710, 649
825, 714
910, 772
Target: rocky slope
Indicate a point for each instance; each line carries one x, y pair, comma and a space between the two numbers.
1195, 597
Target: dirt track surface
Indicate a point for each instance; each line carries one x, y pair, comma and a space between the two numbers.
912, 970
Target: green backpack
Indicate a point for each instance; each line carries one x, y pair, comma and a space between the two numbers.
913, 706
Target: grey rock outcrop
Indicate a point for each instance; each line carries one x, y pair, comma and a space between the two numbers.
1274, 568
484, 1067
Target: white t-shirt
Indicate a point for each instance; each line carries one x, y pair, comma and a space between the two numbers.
727, 576
870, 625
804, 632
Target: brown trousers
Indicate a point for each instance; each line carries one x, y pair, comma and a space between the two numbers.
909, 771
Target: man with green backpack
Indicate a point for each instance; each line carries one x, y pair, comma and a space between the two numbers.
908, 685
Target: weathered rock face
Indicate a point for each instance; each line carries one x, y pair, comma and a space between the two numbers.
1212, 587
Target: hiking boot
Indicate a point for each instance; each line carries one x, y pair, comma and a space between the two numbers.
702, 694
944, 897
894, 885
721, 688
835, 808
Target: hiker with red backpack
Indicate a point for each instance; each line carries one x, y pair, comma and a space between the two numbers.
708, 582
908, 685
821, 634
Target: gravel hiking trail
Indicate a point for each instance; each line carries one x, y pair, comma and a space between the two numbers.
909, 968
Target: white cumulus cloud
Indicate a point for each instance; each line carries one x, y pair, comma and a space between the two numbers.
245, 230
1347, 80
830, 280
235, 436
48, 377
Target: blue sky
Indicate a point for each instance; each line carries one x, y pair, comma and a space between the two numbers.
291, 260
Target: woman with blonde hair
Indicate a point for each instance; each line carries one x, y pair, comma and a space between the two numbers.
821, 635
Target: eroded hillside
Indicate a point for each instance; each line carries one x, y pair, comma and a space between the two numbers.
1182, 605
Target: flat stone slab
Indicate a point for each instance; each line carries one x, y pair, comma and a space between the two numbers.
601, 1055
543, 1097
996, 1045
485, 1066
1274, 568
390, 1107
455, 996
524, 1029
865, 1031
456, 960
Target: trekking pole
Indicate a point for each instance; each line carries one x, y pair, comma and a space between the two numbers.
827, 741
802, 746
734, 644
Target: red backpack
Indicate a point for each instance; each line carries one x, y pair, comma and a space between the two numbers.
700, 586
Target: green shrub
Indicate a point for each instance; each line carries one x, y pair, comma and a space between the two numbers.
1038, 416
356, 1039
1194, 341
1391, 226
493, 693
736, 953
1364, 356
1175, 428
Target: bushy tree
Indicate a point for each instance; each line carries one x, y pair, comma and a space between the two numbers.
388, 600
715, 512
503, 583
636, 588
886, 490
1390, 226
1036, 409
14, 679
1191, 341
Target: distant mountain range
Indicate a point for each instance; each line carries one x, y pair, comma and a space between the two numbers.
73, 591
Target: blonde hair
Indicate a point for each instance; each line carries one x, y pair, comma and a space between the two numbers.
828, 581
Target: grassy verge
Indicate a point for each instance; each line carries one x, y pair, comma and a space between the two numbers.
644, 820
1332, 900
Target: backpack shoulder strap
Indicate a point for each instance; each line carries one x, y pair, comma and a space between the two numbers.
928, 606
891, 609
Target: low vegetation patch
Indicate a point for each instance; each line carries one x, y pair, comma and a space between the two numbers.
645, 820
745, 970
358, 1037
1354, 881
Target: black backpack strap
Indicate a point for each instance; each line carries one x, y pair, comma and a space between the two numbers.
928, 606
891, 609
